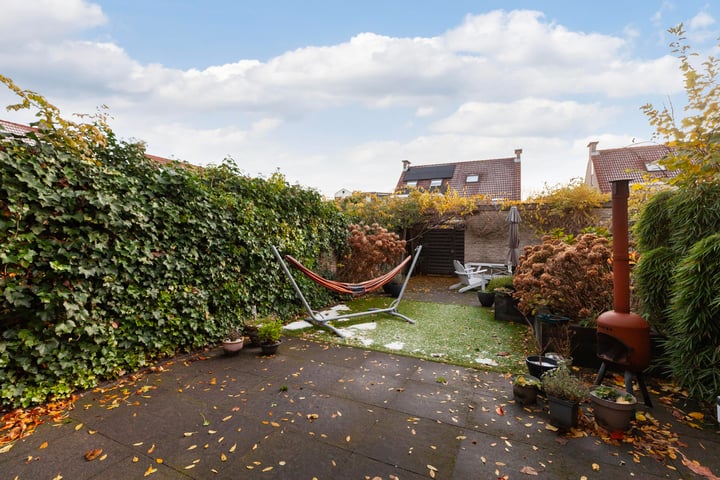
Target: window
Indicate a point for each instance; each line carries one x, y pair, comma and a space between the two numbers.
654, 167
472, 179
436, 182
411, 184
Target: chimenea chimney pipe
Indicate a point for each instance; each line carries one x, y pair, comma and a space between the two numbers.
621, 260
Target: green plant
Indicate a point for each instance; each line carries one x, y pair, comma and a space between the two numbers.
504, 281
234, 334
561, 383
442, 380
572, 280
109, 260
527, 381
613, 394
269, 330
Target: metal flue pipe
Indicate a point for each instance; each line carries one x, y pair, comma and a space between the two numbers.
621, 260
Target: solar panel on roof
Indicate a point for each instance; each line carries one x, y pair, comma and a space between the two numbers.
429, 173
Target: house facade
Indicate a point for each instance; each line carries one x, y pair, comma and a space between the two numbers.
498, 179
636, 163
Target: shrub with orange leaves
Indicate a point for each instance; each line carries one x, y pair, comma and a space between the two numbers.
572, 280
373, 250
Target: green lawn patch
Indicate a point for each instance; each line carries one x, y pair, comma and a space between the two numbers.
456, 334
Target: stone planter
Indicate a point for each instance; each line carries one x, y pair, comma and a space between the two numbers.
610, 414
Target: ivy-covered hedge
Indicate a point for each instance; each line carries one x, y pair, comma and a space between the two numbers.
106, 264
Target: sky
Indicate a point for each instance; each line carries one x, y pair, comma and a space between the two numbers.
335, 94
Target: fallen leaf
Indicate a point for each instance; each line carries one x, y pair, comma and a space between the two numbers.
91, 455
596, 467
500, 411
232, 449
43, 445
151, 449
696, 415
150, 470
135, 459
528, 471
223, 457
695, 467
78, 426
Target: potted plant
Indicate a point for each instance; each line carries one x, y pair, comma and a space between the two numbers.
564, 392
613, 408
525, 389
486, 296
505, 305
269, 332
234, 340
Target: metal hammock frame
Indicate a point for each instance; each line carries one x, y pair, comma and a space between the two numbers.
318, 319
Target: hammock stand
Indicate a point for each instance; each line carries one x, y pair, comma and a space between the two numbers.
318, 319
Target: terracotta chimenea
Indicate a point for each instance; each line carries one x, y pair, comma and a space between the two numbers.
623, 338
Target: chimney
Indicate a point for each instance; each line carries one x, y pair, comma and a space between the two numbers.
518, 152
592, 146
406, 165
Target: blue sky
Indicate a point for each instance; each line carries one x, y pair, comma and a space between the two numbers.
335, 94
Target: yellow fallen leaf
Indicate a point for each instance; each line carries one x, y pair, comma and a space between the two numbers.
159, 460
78, 426
103, 456
192, 447
151, 449
223, 457
267, 469
43, 445
227, 418
232, 449
213, 381
528, 470
281, 463
135, 459
696, 415
275, 424
188, 434
596, 467
347, 439
188, 467
640, 417
150, 470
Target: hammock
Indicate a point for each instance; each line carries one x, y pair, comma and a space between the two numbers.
349, 288
317, 318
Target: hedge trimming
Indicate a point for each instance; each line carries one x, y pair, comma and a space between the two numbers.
110, 263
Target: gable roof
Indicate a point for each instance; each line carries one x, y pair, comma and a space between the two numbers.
20, 129
15, 128
632, 163
495, 178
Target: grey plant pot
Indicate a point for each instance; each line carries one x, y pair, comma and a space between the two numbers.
563, 413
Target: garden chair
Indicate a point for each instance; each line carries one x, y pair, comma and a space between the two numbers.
470, 277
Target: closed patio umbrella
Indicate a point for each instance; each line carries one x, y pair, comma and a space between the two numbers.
513, 253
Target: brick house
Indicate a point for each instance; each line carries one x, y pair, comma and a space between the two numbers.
637, 163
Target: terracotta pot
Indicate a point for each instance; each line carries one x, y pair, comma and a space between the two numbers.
232, 346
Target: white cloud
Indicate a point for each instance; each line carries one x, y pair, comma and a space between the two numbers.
45, 20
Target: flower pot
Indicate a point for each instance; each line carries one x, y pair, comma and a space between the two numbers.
506, 308
232, 346
563, 413
526, 394
610, 414
393, 289
537, 365
487, 299
270, 348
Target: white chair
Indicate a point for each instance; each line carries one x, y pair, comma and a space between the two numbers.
470, 277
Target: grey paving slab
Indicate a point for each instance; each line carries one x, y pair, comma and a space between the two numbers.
330, 412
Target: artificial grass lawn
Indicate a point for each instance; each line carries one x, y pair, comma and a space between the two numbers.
456, 334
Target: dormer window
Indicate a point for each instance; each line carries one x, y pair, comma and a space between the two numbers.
436, 182
472, 179
654, 167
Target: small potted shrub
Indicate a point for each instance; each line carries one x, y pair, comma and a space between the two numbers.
564, 392
525, 389
234, 340
269, 332
613, 408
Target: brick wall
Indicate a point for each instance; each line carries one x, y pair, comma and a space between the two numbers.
486, 234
